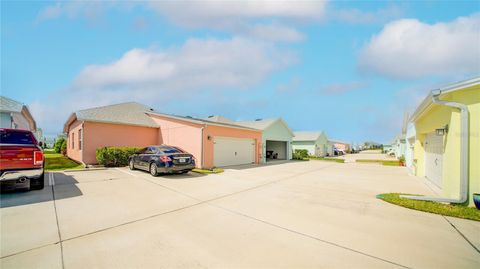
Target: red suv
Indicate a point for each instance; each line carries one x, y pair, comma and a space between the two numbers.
21, 160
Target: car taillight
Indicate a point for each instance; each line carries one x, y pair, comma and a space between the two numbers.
165, 159
37, 158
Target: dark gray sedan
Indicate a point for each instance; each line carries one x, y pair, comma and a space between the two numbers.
162, 159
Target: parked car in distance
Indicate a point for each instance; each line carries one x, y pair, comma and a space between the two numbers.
21, 160
338, 152
162, 159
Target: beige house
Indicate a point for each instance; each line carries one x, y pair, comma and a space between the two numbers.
15, 115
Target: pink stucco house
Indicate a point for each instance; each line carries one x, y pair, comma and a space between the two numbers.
214, 144
341, 145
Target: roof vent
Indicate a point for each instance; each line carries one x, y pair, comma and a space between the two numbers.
211, 116
151, 109
258, 119
188, 117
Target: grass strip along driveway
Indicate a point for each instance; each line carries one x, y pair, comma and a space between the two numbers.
327, 159
58, 162
459, 211
383, 162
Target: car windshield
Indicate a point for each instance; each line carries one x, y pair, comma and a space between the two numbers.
168, 150
12, 137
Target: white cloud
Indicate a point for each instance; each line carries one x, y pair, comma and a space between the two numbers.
198, 68
262, 19
197, 64
409, 48
215, 13
74, 9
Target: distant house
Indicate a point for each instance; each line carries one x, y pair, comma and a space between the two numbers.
338, 144
410, 138
316, 143
16, 115
276, 138
213, 144
447, 140
399, 145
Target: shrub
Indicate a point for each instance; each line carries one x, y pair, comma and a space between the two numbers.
300, 154
58, 144
63, 147
115, 156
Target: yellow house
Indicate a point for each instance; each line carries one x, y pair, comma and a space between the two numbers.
447, 146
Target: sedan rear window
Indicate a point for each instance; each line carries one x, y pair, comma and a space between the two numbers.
170, 150
12, 137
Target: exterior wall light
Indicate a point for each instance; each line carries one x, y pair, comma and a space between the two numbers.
442, 131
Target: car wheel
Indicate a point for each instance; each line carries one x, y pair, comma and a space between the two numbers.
131, 165
38, 183
153, 169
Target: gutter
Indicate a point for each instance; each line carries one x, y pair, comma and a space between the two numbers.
464, 140
201, 147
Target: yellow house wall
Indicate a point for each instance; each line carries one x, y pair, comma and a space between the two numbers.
437, 117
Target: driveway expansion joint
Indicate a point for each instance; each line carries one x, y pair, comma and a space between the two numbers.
52, 180
462, 235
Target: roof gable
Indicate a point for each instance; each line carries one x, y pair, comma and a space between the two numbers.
307, 136
10, 105
130, 113
265, 124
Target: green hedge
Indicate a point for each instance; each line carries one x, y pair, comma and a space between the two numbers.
300, 154
115, 156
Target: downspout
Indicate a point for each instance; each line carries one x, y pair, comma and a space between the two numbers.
83, 144
464, 140
201, 147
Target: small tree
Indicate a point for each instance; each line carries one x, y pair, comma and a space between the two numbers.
58, 144
63, 147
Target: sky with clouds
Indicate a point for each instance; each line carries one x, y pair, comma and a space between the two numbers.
349, 68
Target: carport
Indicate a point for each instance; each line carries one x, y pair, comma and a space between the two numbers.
276, 150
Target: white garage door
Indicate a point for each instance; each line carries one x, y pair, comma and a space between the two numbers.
233, 151
434, 158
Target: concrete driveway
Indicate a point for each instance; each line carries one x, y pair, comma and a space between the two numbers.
314, 214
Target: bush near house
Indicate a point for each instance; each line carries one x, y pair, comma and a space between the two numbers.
58, 144
300, 154
63, 148
115, 156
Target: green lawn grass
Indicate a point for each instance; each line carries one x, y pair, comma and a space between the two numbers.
452, 210
383, 162
208, 171
56, 161
338, 160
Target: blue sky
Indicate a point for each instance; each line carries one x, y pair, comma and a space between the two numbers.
350, 68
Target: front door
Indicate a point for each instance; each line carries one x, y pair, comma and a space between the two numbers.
434, 158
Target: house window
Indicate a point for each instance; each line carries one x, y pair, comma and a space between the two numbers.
80, 139
73, 140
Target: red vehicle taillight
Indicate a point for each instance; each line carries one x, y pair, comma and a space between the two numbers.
37, 158
165, 159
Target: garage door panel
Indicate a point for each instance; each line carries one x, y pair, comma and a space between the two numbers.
233, 151
434, 158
